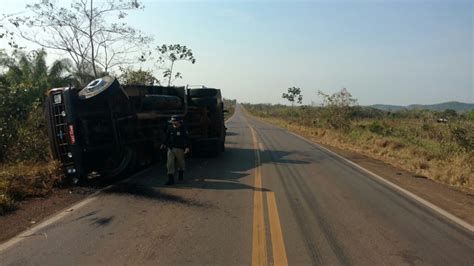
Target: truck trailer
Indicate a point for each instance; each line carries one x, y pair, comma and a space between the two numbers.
113, 129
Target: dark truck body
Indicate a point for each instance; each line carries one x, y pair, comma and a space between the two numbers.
112, 129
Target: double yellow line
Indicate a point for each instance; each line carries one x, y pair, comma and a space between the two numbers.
259, 241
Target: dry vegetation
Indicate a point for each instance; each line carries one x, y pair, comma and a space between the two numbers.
21, 181
26, 167
229, 105
411, 140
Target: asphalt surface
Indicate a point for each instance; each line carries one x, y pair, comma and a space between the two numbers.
270, 198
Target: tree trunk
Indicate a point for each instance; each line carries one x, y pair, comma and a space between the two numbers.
91, 38
171, 73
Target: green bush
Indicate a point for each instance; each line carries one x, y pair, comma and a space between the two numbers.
380, 128
23, 85
463, 138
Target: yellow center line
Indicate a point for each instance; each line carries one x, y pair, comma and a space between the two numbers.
259, 245
278, 244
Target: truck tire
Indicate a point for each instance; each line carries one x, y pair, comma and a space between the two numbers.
98, 87
209, 102
197, 93
153, 102
124, 164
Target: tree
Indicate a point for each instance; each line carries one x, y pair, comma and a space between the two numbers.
83, 32
294, 94
137, 77
6, 34
29, 72
470, 115
449, 113
337, 109
168, 55
23, 85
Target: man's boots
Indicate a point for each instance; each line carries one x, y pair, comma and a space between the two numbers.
170, 180
181, 175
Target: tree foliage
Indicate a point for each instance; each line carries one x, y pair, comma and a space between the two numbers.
6, 34
137, 77
470, 115
23, 85
168, 55
93, 35
294, 94
337, 109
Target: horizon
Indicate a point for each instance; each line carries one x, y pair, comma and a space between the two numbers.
392, 52
366, 105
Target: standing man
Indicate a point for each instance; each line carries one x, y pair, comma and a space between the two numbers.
177, 142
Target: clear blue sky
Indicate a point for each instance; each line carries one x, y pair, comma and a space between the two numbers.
392, 52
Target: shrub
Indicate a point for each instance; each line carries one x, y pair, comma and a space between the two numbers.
380, 128
463, 138
22, 87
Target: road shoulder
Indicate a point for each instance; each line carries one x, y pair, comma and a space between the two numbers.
30, 212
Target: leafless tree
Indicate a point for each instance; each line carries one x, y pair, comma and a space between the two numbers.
85, 32
5, 33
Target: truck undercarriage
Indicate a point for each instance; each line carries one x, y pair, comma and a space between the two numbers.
112, 129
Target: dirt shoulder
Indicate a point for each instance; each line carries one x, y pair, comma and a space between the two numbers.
31, 211
457, 201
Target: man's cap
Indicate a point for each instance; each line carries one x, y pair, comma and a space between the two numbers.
176, 118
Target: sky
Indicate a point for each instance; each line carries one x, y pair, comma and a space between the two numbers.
383, 52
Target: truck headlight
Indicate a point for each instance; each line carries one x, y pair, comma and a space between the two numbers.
71, 170
57, 98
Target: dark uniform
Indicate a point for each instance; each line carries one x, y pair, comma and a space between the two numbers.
176, 141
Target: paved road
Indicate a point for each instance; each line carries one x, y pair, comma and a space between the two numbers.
271, 198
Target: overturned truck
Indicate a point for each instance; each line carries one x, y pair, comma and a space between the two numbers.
111, 129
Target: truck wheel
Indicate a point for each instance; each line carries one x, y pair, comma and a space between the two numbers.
98, 86
124, 164
209, 102
202, 92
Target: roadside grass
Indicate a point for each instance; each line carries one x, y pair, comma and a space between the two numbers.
25, 180
427, 149
229, 105
230, 112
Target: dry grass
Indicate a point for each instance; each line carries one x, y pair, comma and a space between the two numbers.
229, 105
455, 168
24, 180
230, 112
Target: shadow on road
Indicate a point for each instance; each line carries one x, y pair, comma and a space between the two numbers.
224, 172
101, 222
149, 192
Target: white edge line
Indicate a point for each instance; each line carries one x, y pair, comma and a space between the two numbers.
426, 203
61, 214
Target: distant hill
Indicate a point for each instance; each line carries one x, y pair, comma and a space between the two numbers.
387, 107
458, 106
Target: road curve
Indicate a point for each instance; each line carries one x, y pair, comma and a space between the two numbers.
271, 198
